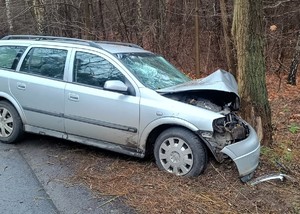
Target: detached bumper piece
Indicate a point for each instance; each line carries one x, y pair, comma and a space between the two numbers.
277, 176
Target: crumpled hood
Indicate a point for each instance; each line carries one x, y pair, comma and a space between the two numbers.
221, 83
220, 80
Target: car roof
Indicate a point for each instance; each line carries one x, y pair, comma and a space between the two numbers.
109, 46
121, 49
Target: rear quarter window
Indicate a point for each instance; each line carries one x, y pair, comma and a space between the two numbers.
10, 56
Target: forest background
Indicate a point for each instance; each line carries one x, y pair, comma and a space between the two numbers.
167, 27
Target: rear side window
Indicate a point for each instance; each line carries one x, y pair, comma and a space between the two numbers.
47, 62
10, 56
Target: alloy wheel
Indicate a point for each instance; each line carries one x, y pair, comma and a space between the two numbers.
6, 123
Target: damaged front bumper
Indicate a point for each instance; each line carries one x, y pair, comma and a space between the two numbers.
245, 154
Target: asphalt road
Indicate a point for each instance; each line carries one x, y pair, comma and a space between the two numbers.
34, 180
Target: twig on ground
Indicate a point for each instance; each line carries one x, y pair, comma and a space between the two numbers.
108, 201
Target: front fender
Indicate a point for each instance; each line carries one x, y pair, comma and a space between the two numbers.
163, 121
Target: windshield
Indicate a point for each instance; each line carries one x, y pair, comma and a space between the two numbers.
152, 70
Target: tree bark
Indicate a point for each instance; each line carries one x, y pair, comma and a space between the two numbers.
162, 25
68, 21
8, 15
248, 34
101, 19
139, 23
292, 78
197, 40
87, 19
39, 12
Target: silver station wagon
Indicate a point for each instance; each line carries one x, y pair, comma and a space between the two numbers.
120, 97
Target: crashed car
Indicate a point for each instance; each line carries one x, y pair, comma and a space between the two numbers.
120, 97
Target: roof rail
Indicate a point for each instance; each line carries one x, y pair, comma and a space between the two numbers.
40, 38
120, 43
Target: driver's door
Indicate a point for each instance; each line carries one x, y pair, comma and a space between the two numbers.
91, 111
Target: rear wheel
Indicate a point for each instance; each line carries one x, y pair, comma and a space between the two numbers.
179, 151
11, 127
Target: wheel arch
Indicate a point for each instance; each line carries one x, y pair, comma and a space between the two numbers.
152, 131
14, 103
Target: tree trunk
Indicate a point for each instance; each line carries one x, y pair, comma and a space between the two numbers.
230, 53
197, 40
8, 16
139, 23
68, 21
248, 34
162, 25
87, 19
294, 66
39, 12
122, 21
101, 19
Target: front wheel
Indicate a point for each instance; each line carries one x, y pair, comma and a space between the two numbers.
179, 151
11, 127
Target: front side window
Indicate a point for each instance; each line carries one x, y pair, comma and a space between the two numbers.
94, 70
10, 56
48, 62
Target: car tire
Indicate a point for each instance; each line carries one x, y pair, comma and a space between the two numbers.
11, 126
181, 152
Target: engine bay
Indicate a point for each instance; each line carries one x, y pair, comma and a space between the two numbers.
212, 100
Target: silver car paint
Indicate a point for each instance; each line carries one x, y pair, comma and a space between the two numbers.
90, 115
46, 92
245, 153
219, 80
5, 93
79, 120
158, 110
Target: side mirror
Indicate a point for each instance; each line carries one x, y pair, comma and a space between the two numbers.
115, 85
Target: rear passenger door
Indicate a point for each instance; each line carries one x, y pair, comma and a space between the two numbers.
39, 86
9, 58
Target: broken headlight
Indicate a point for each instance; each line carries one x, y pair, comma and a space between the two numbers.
230, 128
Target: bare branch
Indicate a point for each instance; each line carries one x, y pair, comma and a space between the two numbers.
277, 4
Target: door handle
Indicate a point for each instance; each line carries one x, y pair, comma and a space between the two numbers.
73, 97
21, 86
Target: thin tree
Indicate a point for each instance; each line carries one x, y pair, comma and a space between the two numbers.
231, 65
139, 22
248, 34
8, 15
295, 62
39, 12
100, 21
197, 39
87, 18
